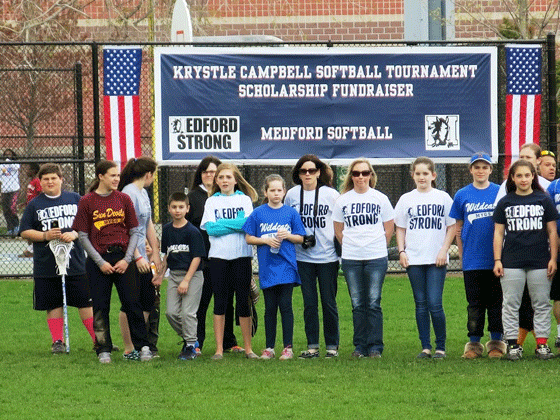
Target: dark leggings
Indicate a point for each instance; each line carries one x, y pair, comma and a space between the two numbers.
129, 295
229, 337
231, 276
278, 297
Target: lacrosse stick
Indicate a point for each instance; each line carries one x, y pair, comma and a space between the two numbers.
61, 251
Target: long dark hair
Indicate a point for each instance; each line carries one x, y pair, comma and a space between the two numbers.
101, 169
510, 183
326, 176
135, 169
202, 166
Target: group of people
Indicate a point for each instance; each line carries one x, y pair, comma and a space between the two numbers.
507, 241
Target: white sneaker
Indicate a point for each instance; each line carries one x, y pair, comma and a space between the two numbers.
287, 353
104, 357
146, 354
267, 354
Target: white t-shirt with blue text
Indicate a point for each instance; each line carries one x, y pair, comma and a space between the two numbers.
425, 216
363, 215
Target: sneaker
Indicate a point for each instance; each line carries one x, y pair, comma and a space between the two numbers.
58, 347
235, 349
287, 353
330, 354
543, 352
155, 354
187, 353
251, 355
132, 355
557, 343
424, 355
146, 354
198, 351
104, 357
514, 352
267, 354
375, 354
356, 354
439, 354
311, 354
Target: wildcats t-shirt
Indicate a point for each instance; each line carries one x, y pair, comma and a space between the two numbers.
280, 268
475, 208
181, 245
363, 215
525, 218
425, 216
106, 219
39, 215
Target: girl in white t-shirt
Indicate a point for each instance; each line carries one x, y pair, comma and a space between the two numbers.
363, 224
225, 212
424, 234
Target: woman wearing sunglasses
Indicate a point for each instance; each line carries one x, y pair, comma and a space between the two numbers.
363, 223
313, 197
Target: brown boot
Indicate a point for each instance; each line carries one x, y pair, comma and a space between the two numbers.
496, 349
473, 350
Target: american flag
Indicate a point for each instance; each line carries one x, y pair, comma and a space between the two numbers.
523, 98
121, 103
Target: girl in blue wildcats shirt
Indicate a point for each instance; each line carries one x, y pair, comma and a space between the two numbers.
275, 226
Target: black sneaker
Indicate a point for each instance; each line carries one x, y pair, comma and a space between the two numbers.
557, 343
133, 355
187, 353
58, 347
543, 352
514, 352
309, 354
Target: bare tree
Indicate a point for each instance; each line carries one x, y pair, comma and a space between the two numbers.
512, 19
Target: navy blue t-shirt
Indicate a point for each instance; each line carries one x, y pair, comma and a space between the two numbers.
526, 239
181, 245
39, 215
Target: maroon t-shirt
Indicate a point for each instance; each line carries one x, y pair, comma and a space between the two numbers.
106, 220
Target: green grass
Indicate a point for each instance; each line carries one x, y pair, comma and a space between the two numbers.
35, 384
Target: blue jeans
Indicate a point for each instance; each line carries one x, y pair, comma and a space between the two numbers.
326, 275
427, 287
365, 281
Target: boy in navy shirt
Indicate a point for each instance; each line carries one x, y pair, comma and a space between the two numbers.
184, 249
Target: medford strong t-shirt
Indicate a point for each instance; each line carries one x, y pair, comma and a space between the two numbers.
526, 239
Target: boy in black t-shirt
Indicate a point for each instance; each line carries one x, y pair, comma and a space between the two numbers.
49, 216
184, 249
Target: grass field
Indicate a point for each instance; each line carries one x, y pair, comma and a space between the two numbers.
37, 385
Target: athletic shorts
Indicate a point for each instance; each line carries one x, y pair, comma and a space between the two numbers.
555, 287
147, 291
47, 292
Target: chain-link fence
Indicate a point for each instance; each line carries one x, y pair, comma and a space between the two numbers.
50, 110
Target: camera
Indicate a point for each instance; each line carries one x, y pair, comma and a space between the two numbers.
308, 241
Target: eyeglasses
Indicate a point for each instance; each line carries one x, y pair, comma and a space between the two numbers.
548, 153
356, 174
310, 171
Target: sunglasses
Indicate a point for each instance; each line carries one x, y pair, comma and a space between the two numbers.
547, 153
356, 174
310, 171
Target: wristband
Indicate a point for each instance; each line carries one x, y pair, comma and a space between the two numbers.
401, 252
44, 236
497, 260
138, 259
